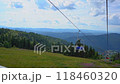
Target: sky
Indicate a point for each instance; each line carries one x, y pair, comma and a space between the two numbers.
85, 14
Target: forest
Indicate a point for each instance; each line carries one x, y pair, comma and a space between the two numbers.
12, 38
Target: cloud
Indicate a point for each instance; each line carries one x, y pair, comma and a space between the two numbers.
61, 4
41, 14
114, 19
97, 11
64, 4
16, 5
98, 7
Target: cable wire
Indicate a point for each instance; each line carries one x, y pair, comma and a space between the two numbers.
75, 25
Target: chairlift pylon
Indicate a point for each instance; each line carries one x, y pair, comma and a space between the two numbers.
107, 53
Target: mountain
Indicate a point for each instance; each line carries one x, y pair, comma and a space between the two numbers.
10, 38
50, 30
70, 35
98, 37
99, 41
96, 41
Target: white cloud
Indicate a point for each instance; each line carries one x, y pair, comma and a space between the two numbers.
64, 4
32, 16
98, 6
114, 19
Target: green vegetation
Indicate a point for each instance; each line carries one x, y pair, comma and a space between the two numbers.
85, 52
116, 58
22, 58
16, 55
10, 38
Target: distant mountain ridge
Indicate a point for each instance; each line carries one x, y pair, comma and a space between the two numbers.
43, 30
100, 41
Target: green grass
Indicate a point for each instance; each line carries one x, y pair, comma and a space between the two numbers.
21, 58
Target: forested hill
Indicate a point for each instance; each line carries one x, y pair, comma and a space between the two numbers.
11, 38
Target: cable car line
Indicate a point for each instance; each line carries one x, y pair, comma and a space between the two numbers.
63, 14
75, 25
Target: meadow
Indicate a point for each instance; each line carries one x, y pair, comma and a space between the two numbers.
22, 58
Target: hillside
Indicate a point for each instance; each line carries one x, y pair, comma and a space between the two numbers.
100, 41
22, 58
70, 35
11, 38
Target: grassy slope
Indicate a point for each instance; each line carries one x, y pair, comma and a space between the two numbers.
15, 58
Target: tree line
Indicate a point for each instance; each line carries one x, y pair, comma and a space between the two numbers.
88, 53
11, 38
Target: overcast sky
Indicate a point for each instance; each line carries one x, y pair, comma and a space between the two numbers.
86, 14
